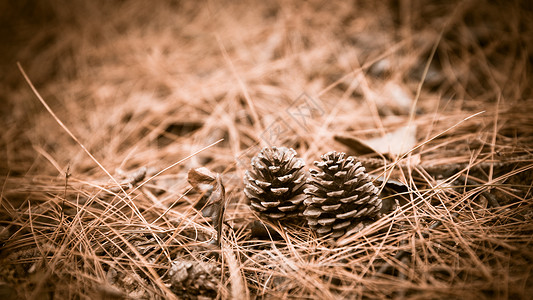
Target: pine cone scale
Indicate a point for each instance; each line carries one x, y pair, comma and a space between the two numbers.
334, 207
342, 225
312, 212
335, 194
279, 191
262, 184
270, 204
351, 199
347, 215
298, 199
258, 207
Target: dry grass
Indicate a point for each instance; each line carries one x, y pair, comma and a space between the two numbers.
148, 84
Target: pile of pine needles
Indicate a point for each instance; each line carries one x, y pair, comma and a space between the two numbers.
113, 102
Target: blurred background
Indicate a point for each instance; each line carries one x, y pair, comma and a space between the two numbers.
132, 73
148, 83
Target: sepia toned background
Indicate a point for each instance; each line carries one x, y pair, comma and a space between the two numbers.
442, 90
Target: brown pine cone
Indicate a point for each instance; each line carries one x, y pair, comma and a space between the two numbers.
340, 195
275, 183
190, 279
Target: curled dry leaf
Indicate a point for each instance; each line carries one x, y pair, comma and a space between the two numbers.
204, 180
130, 180
216, 206
200, 176
392, 184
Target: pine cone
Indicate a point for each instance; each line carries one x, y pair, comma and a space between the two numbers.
191, 278
276, 182
340, 195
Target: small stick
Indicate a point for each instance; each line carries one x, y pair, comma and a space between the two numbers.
132, 180
376, 163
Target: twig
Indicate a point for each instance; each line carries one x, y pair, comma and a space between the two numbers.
375, 163
131, 181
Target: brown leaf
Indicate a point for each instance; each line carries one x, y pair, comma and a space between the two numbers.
200, 176
392, 144
213, 201
395, 143
202, 180
215, 207
356, 145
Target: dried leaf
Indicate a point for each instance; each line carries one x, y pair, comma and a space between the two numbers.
356, 145
395, 143
203, 181
130, 179
213, 200
391, 187
391, 183
200, 176
215, 207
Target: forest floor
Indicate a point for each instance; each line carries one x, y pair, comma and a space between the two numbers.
107, 106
